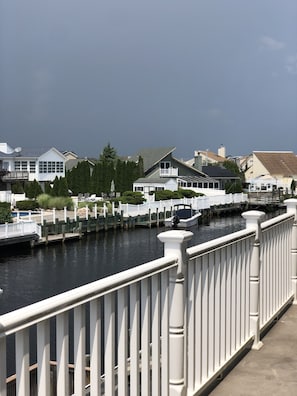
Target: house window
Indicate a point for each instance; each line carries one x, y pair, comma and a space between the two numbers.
159, 188
210, 185
42, 167
17, 165
24, 165
32, 166
138, 188
165, 165
205, 185
216, 185
195, 184
51, 167
59, 167
200, 185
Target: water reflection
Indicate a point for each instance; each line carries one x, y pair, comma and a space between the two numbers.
27, 276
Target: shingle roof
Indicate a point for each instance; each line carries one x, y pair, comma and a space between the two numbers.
219, 172
151, 156
278, 162
28, 152
215, 157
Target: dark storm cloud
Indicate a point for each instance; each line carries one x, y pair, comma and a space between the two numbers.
194, 74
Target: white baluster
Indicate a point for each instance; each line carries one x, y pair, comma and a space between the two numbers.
253, 218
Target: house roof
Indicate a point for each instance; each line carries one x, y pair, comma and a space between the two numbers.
154, 180
219, 172
213, 156
197, 179
152, 156
278, 162
30, 152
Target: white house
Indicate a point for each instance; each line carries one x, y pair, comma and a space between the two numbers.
20, 165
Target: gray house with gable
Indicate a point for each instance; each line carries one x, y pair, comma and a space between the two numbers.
164, 172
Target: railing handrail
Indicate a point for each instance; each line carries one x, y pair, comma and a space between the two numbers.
276, 220
218, 242
45, 309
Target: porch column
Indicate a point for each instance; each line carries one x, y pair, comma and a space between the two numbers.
175, 245
291, 205
253, 218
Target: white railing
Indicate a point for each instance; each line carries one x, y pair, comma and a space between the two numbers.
168, 327
218, 305
12, 230
168, 172
198, 203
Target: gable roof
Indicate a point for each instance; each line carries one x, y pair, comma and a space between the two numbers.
152, 156
278, 162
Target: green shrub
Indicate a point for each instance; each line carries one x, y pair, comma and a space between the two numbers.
27, 205
5, 205
5, 214
189, 193
162, 195
132, 197
46, 201
43, 200
60, 202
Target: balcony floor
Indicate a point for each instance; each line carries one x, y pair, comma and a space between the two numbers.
270, 371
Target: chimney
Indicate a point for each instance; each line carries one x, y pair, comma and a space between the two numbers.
222, 151
198, 161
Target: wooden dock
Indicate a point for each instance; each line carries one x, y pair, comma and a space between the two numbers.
58, 238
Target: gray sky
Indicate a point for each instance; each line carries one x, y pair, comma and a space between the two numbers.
195, 74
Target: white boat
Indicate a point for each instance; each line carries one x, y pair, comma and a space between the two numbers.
184, 216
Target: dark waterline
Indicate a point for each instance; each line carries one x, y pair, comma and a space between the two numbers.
30, 275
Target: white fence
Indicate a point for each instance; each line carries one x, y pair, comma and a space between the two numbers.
167, 327
12, 230
198, 203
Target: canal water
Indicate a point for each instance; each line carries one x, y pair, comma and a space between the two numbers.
29, 275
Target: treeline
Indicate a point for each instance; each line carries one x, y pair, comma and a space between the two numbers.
104, 177
110, 174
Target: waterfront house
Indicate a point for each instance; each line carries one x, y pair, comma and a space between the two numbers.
162, 171
21, 165
215, 170
271, 171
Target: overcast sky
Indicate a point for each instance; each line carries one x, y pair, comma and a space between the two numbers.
195, 74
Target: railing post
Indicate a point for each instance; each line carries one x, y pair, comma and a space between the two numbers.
292, 208
175, 245
253, 218
65, 214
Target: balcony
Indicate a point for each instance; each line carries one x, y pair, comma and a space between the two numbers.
15, 176
168, 172
172, 326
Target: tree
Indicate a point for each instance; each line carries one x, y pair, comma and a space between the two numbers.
233, 167
33, 189
108, 155
60, 187
79, 178
17, 188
